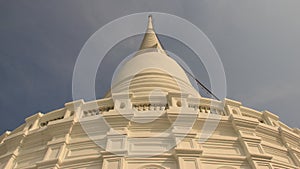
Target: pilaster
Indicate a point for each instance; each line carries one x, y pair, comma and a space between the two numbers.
245, 129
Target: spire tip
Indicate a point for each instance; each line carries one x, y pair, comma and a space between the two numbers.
150, 39
150, 24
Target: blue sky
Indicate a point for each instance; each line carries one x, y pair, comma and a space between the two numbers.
257, 40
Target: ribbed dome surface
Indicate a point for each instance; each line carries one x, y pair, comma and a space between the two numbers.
150, 71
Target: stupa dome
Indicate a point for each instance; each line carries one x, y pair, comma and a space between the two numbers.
178, 130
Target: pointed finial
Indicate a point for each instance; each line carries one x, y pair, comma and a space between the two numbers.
150, 23
150, 39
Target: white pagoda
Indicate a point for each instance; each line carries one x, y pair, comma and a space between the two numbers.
152, 118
